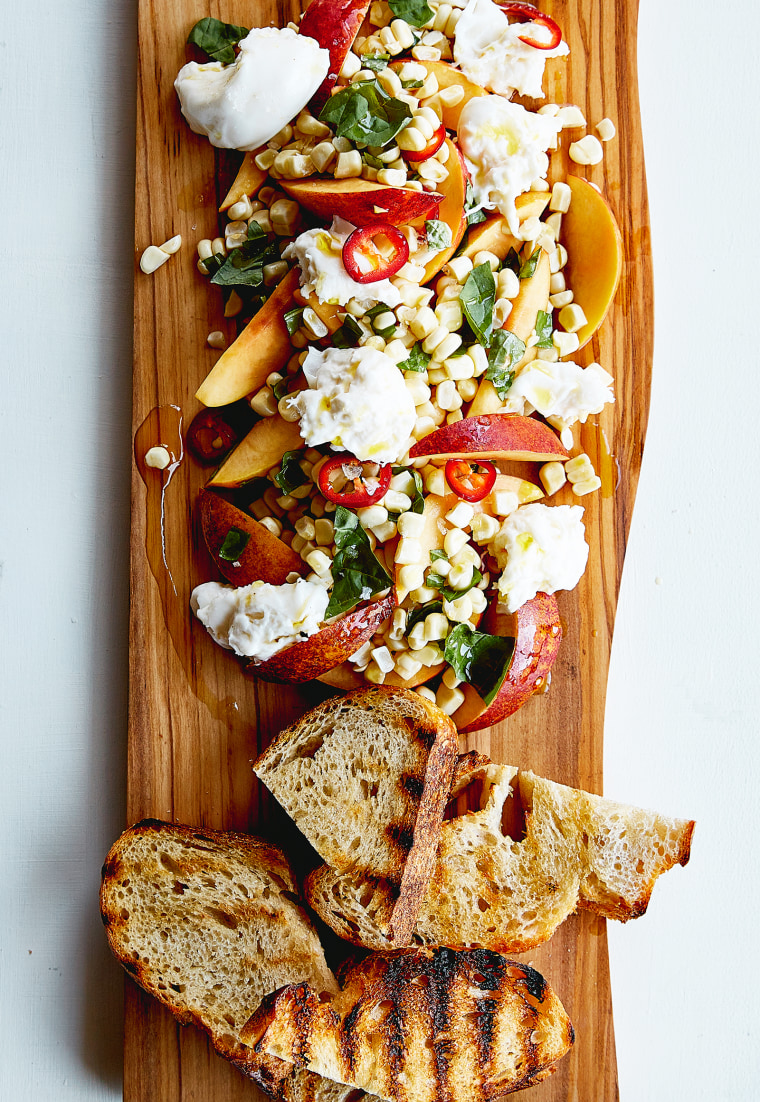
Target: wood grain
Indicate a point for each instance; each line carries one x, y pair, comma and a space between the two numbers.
195, 723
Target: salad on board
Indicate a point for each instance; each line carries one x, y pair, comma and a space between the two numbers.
411, 270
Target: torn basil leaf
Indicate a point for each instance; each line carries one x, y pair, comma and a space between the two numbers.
357, 574
422, 613
435, 581
436, 553
417, 360
365, 113
481, 660
512, 261
415, 12
418, 500
504, 354
347, 336
293, 319
528, 270
234, 544
411, 84
544, 329
477, 298
244, 266
472, 216
375, 62
217, 39
290, 475
438, 234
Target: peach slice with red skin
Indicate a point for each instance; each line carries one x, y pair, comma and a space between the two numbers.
591, 235
493, 436
362, 202
334, 24
538, 635
264, 558
263, 347
329, 647
259, 451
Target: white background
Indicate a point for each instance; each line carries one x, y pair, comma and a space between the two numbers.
683, 717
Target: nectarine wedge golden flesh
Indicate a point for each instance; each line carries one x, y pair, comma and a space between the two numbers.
451, 210
395, 681
247, 182
262, 347
446, 75
259, 451
343, 677
362, 202
594, 246
505, 483
492, 436
329, 647
264, 558
487, 400
538, 633
334, 24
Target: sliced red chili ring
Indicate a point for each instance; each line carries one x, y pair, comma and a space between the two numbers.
470, 481
533, 15
435, 143
365, 261
357, 494
209, 437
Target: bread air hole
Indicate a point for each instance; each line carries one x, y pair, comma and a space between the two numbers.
222, 917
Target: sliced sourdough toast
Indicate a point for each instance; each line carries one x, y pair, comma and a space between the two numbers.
366, 779
509, 890
421, 1025
209, 923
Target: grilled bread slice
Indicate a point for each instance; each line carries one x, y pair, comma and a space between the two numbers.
420, 1025
366, 778
209, 923
510, 893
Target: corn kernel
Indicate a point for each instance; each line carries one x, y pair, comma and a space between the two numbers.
455, 540
587, 486
484, 527
426, 693
570, 117
411, 577
411, 525
588, 151
374, 674
450, 679
561, 299
565, 343
372, 516
434, 480
397, 502
448, 700
436, 626
264, 403
409, 550
572, 318
461, 515
349, 165
605, 128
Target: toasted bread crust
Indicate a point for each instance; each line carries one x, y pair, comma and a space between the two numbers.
400, 744
422, 1025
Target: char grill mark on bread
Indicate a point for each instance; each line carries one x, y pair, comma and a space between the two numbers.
422, 1025
366, 779
209, 923
510, 893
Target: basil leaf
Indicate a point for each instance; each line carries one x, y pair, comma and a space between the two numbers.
512, 261
358, 574
213, 263
244, 266
375, 62
422, 613
504, 355
438, 554
477, 298
417, 360
234, 544
279, 390
217, 39
472, 216
418, 499
544, 329
435, 581
415, 12
438, 235
347, 336
365, 113
375, 312
372, 161
290, 474
411, 84
481, 660
528, 269
293, 319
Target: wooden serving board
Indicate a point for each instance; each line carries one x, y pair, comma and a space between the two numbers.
195, 723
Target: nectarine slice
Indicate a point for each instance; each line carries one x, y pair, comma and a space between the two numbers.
446, 75
594, 246
538, 633
259, 451
262, 347
451, 211
334, 24
247, 182
362, 202
264, 558
431, 538
329, 647
493, 436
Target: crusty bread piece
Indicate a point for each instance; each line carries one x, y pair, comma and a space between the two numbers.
421, 1025
366, 778
209, 923
492, 890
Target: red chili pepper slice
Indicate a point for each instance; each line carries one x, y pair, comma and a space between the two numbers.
367, 261
470, 481
533, 15
435, 143
210, 437
360, 495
